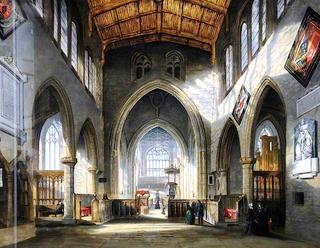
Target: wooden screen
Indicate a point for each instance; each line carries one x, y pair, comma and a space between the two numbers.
50, 187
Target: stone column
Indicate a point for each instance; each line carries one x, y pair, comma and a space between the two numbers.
10, 199
69, 164
93, 179
247, 178
223, 182
202, 175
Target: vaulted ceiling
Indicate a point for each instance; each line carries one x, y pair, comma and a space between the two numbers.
195, 23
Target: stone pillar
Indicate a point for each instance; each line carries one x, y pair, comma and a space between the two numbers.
223, 190
247, 178
202, 175
93, 179
10, 199
95, 209
69, 164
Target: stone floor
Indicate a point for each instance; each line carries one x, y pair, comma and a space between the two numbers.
146, 231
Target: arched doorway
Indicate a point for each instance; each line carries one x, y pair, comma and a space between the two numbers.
229, 167
195, 128
53, 139
87, 156
268, 147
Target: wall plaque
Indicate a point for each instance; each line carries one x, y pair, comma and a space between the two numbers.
102, 180
305, 149
308, 102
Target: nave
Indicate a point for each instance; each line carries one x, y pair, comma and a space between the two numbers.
152, 230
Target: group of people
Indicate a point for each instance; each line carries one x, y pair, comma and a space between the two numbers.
193, 210
258, 219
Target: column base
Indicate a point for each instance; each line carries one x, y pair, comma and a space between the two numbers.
68, 221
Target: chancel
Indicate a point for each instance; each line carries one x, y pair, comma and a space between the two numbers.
159, 123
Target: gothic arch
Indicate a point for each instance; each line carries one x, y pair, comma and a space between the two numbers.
255, 104
90, 137
228, 134
196, 122
65, 109
171, 129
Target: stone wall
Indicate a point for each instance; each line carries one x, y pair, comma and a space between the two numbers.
268, 66
38, 57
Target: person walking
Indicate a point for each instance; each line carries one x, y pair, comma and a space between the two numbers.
200, 212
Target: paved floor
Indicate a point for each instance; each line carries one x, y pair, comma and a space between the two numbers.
148, 232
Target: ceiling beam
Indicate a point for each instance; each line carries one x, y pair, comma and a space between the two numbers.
209, 5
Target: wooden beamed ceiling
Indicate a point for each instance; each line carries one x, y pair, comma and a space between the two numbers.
195, 23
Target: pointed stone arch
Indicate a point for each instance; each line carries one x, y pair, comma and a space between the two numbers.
168, 127
89, 133
196, 123
257, 99
65, 109
229, 136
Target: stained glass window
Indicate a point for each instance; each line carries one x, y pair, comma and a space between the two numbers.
264, 20
280, 8
64, 27
255, 26
55, 20
74, 46
157, 161
229, 67
50, 144
244, 46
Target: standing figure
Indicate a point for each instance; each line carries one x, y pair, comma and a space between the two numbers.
249, 220
200, 210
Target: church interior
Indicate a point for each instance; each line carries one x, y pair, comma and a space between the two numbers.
119, 120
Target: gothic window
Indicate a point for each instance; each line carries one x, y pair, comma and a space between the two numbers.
89, 72
174, 62
50, 144
244, 46
280, 8
64, 27
264, 20
141, 66
255, 26
74, 46
157, 161
39, 7
265, 128
229, 67
55, 20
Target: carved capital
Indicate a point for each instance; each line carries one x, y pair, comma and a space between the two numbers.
247, 160
69, 161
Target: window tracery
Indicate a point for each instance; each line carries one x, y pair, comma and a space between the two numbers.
174, 64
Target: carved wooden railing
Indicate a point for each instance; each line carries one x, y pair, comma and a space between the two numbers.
49, 190
124, 207
177, 208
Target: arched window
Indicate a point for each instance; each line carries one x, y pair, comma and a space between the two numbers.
64, 27
255, 26
229, 67
39, 7
157, 161
265, 128
280, 8
74, 46
264, 20
55, 20
174, 62
141, 66
89, 72
244, 46
50, 144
